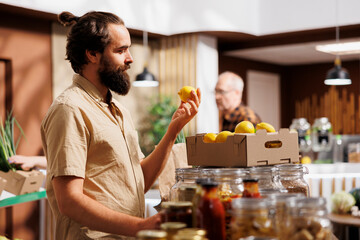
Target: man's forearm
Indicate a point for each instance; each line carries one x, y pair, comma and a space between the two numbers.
155, 162
90, 213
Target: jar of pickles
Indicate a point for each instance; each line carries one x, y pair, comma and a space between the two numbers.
268, 179
292, 178
251, 217
308, 219
185, 187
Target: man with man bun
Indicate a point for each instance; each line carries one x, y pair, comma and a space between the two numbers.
96, 173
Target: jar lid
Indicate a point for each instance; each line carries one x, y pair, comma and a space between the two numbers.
194, 231
172, 225
179, 204
151, 234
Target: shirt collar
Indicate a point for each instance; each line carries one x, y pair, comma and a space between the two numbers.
90, 89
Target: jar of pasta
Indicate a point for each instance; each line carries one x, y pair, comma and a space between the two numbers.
292, 178
308, 219
251, 217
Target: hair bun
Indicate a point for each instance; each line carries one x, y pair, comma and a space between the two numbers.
67, 18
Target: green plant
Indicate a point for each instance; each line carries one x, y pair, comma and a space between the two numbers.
7, 145
160, 114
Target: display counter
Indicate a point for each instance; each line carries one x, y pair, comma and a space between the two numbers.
326, 179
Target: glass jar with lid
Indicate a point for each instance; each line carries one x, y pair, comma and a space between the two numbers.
151, 234
230, 182
177, 212
268, 179
184, 188
321, 132
308, 217
278, 205
303, 129
251, 217
292, 178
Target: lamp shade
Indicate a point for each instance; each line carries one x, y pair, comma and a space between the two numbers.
337, 75
145, 79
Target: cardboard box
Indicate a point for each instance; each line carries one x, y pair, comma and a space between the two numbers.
2, 184
245, 149
21, 182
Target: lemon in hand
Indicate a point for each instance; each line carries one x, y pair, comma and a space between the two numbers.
222, 136
209, 137
185, 93
244, 127
263, 125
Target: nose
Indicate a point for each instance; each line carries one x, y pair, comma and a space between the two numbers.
128, 58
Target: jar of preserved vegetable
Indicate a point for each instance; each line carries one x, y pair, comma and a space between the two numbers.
177, 212
151, 234
210, 213
292, 178
230, 182
185, 187
268, 179
251, 217
308, 219
230, 186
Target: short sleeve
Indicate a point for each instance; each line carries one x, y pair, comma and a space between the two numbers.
65, 141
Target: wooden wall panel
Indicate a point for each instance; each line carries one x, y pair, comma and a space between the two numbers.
178, 68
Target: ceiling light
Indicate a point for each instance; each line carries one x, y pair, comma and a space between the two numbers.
337, 75
145, 79
340, 48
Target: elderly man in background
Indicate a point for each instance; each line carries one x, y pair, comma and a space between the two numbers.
228, 94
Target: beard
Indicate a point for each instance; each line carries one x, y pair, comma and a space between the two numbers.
116, 80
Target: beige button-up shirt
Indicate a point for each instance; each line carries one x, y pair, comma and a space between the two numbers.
82, 138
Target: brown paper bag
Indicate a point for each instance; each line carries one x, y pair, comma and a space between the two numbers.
177, 159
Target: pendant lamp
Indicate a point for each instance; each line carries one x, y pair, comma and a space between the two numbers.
337, 75
145, 79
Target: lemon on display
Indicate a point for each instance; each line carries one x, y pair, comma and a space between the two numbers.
222, 136
305, 160
185, 93
263, 125
209, 137
244, 127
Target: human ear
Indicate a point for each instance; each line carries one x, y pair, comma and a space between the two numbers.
92, 56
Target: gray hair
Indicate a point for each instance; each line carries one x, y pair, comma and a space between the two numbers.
235, 80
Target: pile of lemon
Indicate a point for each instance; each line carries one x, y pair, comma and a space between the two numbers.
242, 127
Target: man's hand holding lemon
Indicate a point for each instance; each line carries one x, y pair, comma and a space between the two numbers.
190, 101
